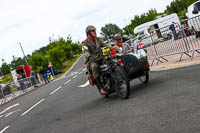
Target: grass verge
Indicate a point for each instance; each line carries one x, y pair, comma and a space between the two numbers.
6, 79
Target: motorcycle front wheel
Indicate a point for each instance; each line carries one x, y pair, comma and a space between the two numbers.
122, 82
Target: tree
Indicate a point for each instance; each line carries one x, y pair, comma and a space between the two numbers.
57, 58
179, 7
38, 60
5, 68
76, 48
57, 51
16, 62
109, 30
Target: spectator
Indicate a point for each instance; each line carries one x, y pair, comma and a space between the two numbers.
44, 75
33, 78
172, 28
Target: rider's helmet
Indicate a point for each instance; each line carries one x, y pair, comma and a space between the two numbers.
89, 28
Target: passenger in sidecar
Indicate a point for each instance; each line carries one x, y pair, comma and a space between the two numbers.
120, 47
135, 61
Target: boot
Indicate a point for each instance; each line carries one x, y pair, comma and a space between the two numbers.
91, 79
104, 91
99, 85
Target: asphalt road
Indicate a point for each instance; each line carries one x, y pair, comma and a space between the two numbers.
169, 103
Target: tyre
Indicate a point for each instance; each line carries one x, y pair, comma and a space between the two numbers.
144, 78
122, 82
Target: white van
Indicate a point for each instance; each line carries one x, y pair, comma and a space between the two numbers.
142, 30
193, 15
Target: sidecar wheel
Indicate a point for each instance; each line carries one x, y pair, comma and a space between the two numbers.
144, 78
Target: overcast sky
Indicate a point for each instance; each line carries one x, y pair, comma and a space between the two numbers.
32, 22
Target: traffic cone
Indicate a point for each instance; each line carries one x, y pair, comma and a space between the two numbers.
51, 77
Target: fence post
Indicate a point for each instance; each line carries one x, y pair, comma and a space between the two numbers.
156, 52
183, 34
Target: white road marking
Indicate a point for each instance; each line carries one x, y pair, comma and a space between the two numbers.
84, 69
75, 76
84, 85
67, 82
12, 112
9, 108
55, 90
73, 73
3, 130
62, 77
79, 69
1, 116
32, 107
80, 73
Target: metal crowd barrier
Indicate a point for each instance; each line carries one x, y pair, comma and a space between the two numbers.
27, 82
170, 41
20, 85
173, 39
149, 45
191, 28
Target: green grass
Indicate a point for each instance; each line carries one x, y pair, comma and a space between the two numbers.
6, 79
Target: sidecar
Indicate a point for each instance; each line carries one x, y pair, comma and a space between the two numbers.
136, 65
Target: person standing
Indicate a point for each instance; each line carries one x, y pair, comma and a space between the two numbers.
172, 28
44, 76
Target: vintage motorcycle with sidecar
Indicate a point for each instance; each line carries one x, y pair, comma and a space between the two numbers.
116, 71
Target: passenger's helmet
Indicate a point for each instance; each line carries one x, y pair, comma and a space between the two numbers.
117, 36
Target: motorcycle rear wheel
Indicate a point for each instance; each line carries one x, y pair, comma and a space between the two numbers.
122, 83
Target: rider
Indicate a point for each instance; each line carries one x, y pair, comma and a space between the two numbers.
92, 48
121, 48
